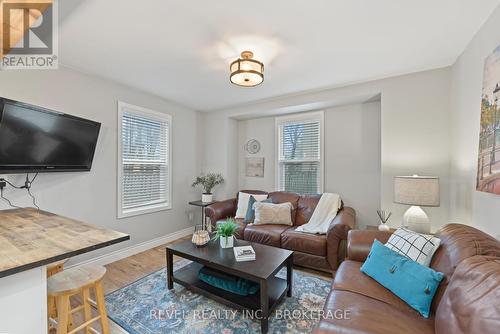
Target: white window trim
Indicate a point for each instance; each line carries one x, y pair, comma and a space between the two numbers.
297, 117
151, 114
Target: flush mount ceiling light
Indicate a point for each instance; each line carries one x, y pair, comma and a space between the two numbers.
247, 72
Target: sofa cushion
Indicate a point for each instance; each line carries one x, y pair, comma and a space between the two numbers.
265, 234
304, 242
366, 315
305, 208
470, 303
459, 242
349, 278
283, 197
308, 260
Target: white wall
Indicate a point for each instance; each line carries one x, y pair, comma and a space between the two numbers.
352, 156
220, 152
92, 196
466, 204
352, 153
414, 128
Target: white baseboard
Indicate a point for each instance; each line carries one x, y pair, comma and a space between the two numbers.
135, 249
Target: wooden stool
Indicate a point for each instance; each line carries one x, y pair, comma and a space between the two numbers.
78, 281
53, 269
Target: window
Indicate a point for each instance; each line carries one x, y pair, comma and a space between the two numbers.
144, 160
300, 153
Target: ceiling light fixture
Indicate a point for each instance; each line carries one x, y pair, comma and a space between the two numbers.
247, 72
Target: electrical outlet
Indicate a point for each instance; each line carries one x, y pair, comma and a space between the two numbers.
190, 216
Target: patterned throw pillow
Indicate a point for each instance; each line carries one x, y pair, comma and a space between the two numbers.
269, 213
415, 246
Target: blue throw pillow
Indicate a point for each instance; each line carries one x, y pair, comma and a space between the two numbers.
407, 279
250, 216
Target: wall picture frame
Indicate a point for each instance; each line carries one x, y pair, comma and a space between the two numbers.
255, 167
488, 163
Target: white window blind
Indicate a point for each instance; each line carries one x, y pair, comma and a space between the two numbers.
299, 165
145, 165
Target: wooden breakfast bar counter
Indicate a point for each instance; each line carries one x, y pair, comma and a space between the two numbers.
29, 240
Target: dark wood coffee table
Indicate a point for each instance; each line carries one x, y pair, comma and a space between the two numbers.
269, 260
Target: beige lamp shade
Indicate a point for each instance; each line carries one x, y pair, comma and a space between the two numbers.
416, 190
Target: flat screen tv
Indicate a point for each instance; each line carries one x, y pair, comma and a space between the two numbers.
35, 139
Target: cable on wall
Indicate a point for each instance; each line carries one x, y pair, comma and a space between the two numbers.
27, 185
7, 200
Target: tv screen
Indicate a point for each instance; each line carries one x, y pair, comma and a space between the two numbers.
35, 139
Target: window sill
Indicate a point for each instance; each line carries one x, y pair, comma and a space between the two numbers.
143, 210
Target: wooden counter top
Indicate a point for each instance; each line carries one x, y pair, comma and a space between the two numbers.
30, 238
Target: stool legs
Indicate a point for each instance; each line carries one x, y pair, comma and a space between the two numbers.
63, 308
53, 269
101, 306
87, 310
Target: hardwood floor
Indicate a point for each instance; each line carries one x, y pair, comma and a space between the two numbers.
132, 268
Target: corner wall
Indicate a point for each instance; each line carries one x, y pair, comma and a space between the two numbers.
92, 196
466, 204
415, 132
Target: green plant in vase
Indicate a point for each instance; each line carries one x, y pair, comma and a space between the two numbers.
208, 182
225, 232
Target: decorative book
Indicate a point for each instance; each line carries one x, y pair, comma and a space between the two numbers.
244, 253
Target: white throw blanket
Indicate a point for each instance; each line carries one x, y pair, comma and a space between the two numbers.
327, 208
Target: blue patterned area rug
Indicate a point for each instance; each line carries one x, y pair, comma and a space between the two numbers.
148, 307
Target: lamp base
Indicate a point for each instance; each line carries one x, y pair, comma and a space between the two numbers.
416, 219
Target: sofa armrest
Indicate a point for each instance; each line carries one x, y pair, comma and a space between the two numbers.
359, 243
336, 236
221, 210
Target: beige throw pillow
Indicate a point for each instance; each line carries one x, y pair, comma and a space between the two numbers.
269, 213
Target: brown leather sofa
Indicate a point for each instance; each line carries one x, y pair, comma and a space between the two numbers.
321, 252
467, 300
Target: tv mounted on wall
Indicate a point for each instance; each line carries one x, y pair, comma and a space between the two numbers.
35, 139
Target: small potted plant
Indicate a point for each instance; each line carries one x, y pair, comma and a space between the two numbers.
208, 182
225, 232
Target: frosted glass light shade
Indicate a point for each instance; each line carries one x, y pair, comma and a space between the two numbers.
416, 190
246, 72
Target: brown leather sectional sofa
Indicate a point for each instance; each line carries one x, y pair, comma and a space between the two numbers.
467, 300
321, 252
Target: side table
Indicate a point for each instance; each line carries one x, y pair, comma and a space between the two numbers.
375, 227
203, 205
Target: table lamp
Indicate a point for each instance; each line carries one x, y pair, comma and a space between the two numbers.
416, 191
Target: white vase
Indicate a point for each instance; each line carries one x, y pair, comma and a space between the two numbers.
226, 242
206, 198
384, 227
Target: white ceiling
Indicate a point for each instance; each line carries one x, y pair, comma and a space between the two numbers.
181, 50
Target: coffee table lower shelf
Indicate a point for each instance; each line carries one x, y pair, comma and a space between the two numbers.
187, 276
